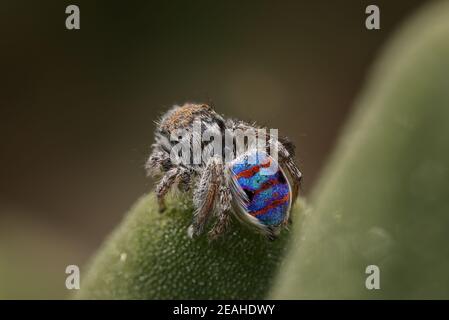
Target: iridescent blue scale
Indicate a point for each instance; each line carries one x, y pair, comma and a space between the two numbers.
268, 192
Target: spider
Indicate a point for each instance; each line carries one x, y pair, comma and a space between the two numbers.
223, 182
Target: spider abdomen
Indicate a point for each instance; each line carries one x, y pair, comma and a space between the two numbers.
267, 192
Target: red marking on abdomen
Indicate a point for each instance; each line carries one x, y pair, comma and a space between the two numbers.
272, 205
267, 185
248, 173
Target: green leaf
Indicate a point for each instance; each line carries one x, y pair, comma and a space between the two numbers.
149, 256
384, 197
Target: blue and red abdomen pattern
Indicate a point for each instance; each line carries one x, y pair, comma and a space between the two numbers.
268, 194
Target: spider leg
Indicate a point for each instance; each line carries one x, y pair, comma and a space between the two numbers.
184, 179
164, 186
205, 195
223, 211
286, 158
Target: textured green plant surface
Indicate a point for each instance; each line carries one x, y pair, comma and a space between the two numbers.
384, 197
149, 256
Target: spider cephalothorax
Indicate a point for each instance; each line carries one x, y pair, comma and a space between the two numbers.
197, 151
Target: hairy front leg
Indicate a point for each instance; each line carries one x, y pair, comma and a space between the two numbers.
223, 212
205, 196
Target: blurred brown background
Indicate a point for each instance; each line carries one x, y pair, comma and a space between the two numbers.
77, 107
